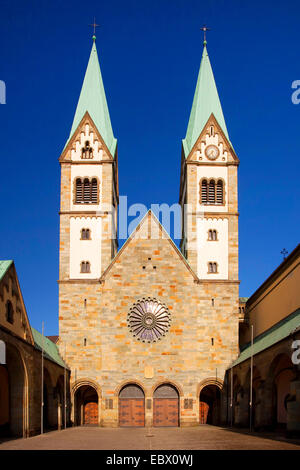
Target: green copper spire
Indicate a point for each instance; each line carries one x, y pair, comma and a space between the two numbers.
92, 99
206, 101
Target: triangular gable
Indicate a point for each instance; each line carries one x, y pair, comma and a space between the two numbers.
76, 136
11, 275
142, 226
222, 137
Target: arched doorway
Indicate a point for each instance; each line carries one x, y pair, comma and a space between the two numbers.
131, 406
282, 374
49, 407
209, 405
17, 385
166, 406
4, 401
86, 406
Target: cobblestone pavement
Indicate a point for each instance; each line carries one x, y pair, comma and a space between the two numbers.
201, 437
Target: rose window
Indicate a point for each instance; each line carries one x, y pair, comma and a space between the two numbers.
148, 320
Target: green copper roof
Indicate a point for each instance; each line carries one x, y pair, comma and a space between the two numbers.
272, 336
50, 349
4, 265
206, 101
92, 99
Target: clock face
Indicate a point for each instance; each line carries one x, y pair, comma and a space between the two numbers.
212, 152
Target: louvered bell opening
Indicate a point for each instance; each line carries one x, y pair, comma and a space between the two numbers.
214, 267
83, 234
87, 234
82, 268
86, 190
87, 267
94, 191
220, 192
79, 190
211, 192
204, 192
214, 235
210, 235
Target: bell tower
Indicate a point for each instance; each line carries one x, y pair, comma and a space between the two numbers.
89, 184
208, 185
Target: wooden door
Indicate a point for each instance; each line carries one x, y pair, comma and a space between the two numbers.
203, 410
91, 413
165, 412
131, 412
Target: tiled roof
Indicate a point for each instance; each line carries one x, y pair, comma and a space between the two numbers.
277, 333
50, 349
4, 265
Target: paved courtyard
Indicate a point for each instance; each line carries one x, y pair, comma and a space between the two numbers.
201, 437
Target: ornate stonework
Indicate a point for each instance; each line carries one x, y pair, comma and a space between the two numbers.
148, 320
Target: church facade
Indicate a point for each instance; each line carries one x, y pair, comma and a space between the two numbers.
148, 331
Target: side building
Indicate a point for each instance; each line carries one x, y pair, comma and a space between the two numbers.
21, 367
273, 311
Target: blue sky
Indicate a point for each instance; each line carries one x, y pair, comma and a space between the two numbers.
149, 54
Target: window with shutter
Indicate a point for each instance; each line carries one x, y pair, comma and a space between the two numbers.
204, 192
79, 191
86, 190
220, 192
94, 194
211, 192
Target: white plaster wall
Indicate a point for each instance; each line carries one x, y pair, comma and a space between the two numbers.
85, 250
82, 171
212, 172
215, 251
94, 143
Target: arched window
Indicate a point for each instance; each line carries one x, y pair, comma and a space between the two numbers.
85, 267
204, 195
85, 234
211, 131
9, 312
212, 235
212, 192
86, 191
212, 268
94, 191
87, 151
219, 195
79, 191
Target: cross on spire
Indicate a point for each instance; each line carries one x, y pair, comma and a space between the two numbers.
284, 252
204, 29
94, 25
